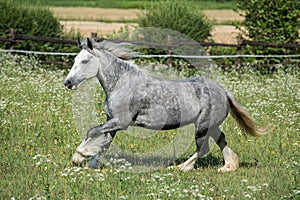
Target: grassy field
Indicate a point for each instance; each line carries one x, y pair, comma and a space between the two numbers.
127, 4
38, 137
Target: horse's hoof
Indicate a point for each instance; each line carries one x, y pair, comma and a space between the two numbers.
231, 161
77, 158
225, 169
229, 167
185, 168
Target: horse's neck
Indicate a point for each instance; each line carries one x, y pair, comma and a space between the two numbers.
113, 69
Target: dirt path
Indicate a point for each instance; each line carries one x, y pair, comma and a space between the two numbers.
220, 33
85, 21
87, 27
84, 13
223, 15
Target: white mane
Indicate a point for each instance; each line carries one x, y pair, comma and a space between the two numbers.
120, 50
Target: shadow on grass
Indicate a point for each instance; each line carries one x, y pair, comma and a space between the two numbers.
213, 161
161, 162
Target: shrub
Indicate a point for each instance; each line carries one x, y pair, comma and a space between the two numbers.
223, 62
181, 16
26, 20
271, 21
33, 21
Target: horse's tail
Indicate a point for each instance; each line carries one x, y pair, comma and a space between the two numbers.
244, 120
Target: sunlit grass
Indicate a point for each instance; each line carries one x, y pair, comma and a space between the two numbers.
38, 137
128, 4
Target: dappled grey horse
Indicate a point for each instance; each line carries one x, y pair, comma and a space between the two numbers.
135, 98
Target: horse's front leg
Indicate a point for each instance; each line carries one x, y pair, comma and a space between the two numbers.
105, 144
96, 142
109, 129
92, 149
111, 125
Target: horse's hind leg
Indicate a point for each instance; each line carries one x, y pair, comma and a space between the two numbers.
202, 144
188, 164
202, 149
231, 159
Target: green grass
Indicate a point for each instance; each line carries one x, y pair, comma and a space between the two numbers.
38, 137
127, 4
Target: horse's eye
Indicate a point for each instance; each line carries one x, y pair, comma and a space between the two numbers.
84, 61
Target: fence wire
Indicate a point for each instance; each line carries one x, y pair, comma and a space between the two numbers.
38, 52
157, 56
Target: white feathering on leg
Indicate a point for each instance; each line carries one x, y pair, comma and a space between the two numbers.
231, 161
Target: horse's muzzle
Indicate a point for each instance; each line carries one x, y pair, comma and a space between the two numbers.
68, 85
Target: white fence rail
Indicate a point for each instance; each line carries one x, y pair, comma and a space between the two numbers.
157, 56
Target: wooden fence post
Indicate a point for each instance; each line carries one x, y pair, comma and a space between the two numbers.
94, 36
169, 52
12, 37
239, 50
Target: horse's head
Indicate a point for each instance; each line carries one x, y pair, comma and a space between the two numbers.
86, 66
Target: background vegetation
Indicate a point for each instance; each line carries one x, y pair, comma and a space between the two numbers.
274, 21
38, 137
177, 15
271, 21
33, 21
126, 4
28, 20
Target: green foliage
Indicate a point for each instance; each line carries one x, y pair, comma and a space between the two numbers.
271, 21
124, 4
33, 21
28, 20
128, 4
182, 16
223, 62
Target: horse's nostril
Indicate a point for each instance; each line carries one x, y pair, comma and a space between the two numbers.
68, 84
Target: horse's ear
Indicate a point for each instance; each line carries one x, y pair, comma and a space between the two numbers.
79, 43
89, 44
